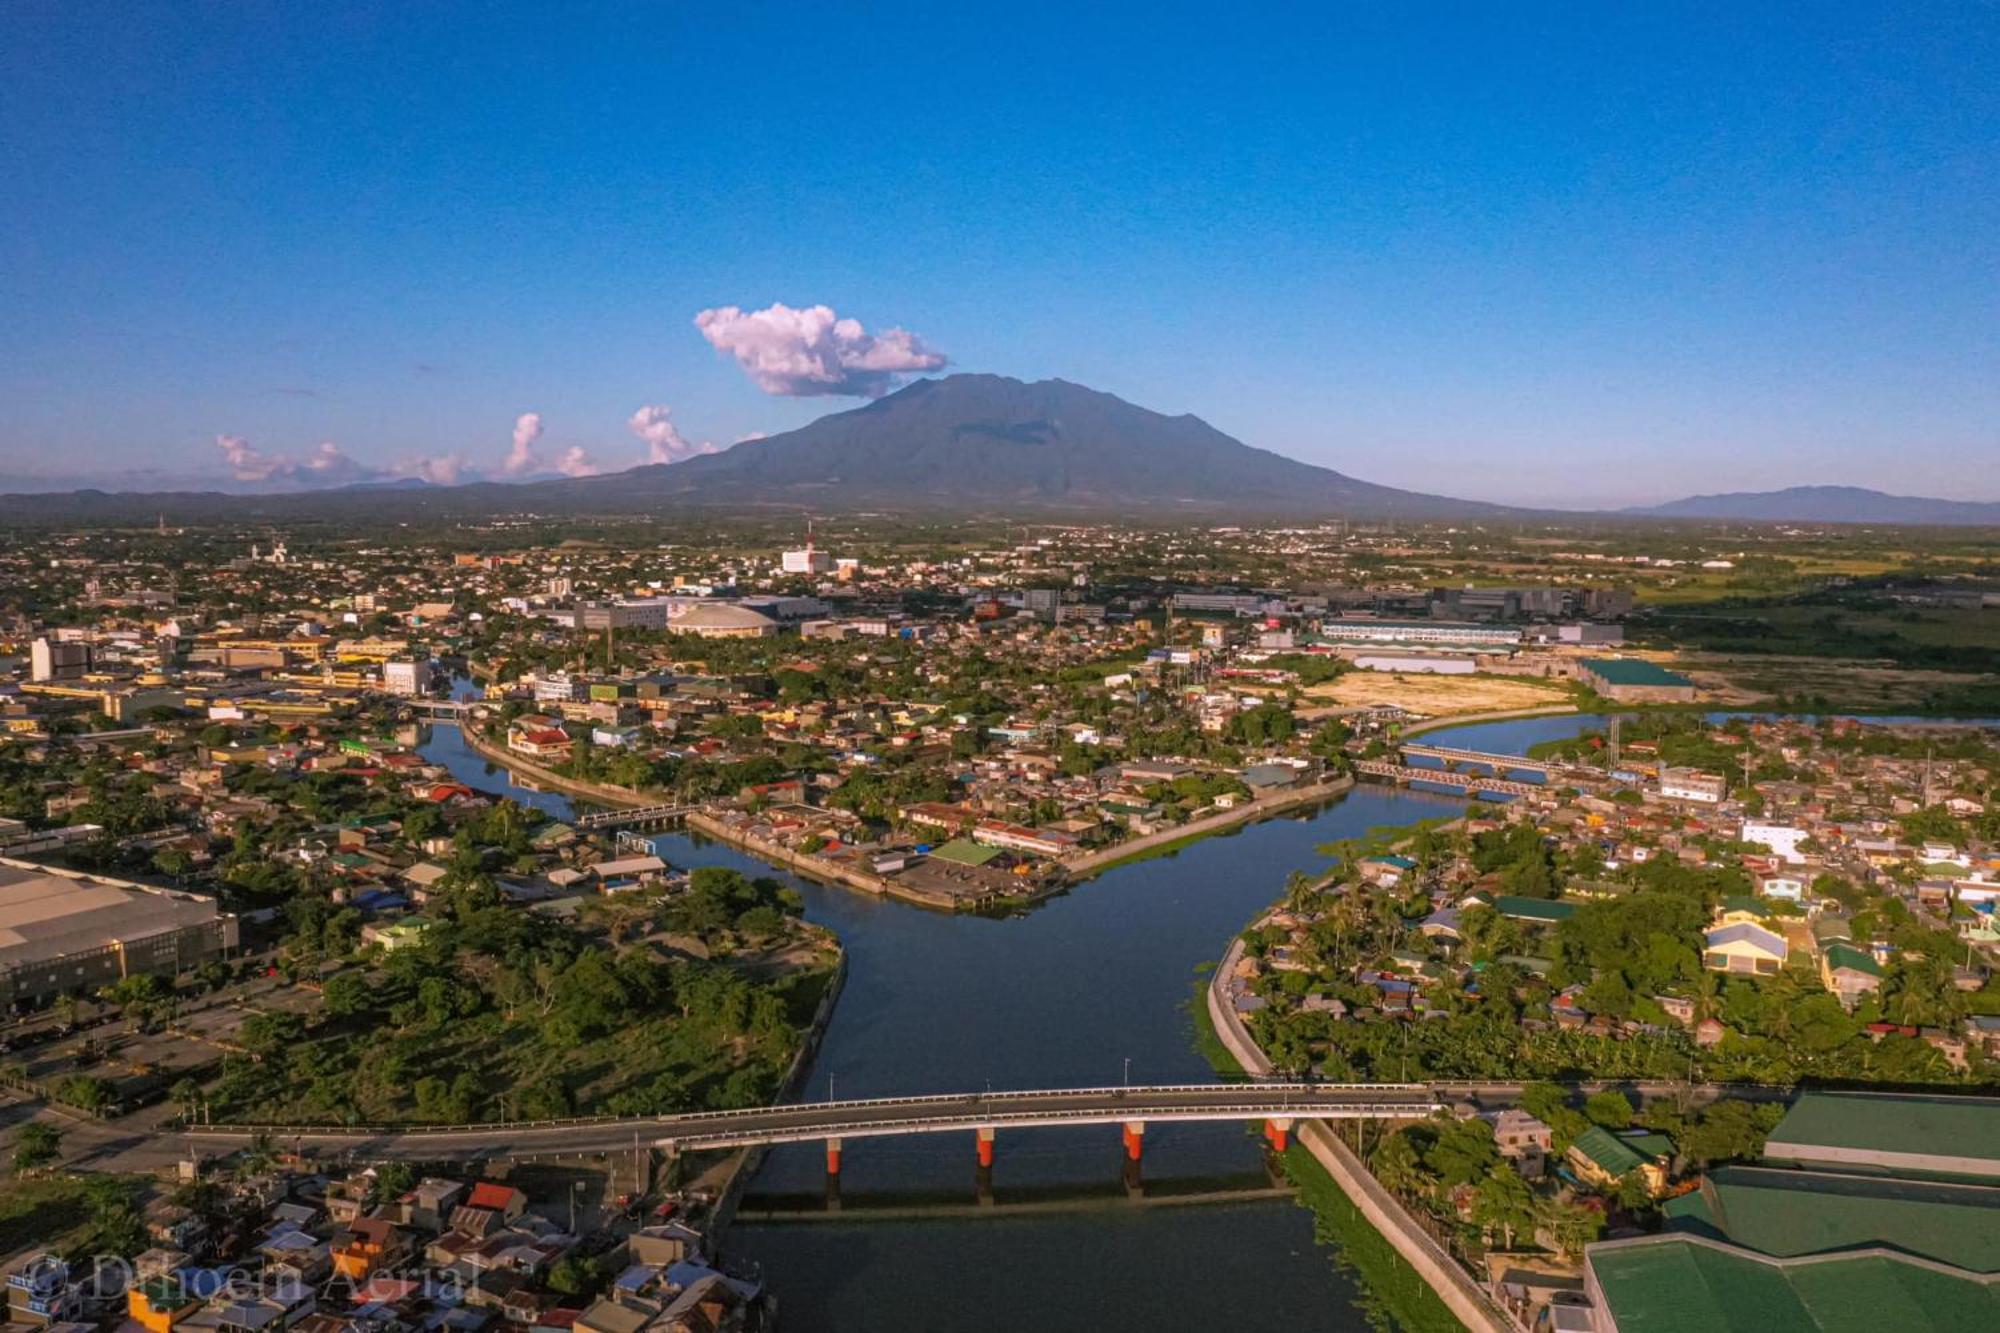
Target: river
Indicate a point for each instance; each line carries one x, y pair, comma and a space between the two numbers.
1064, 995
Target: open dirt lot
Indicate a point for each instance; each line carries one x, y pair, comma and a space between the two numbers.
1436, 696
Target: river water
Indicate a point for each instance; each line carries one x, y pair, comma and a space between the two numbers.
1063, 996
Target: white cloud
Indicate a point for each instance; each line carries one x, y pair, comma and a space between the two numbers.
325, 465
440, 470
800, 353
577, 462
521, 458
246, 463
654, 425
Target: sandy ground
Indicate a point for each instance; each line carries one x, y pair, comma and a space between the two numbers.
1437, 696
1849, 683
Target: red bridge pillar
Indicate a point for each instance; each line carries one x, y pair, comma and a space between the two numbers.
833, 1173
1277, 1131
983, 1141
1135, 1150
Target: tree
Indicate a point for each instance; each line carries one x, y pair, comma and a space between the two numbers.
1504, 1203
346, 995
1609, 1108
1728, 1130
1398, 1166
1571, 1226
37, 1144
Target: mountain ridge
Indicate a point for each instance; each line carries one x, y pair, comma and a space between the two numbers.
1825, 504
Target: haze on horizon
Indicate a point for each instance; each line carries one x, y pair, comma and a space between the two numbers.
1541, 255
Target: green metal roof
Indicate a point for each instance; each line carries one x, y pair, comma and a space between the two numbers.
1788, 1213
1632, 671
1671, 1284
965, 853
1533, 909
1934, 1134
1612, 1155
1846, 955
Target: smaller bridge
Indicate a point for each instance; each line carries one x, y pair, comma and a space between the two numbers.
439, 708
1499, 763
648, 816
1449, 777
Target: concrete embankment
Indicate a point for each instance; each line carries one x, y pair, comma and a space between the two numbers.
1222, 821
548, 779
1454, 1286
1416, 729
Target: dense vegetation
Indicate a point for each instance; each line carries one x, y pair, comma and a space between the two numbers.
496, 1013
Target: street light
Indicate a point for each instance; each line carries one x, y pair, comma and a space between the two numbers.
1128, 1071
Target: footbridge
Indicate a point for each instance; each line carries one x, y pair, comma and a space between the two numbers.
1499, 763
445, 709
1449, 777
645, 816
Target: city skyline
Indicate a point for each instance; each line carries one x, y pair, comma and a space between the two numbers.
1588, 264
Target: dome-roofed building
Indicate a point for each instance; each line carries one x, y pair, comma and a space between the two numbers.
720, 620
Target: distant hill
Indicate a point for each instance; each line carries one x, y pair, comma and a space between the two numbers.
960, 444
1827, 504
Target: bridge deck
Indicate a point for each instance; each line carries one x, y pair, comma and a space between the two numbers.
875, 1117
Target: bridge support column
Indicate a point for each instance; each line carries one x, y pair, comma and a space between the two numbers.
1277, 1132
1135, 1151
983, 1177
833, 1175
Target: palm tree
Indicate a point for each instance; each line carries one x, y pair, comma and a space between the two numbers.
1399, 1168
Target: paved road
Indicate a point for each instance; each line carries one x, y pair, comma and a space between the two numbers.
123, 1145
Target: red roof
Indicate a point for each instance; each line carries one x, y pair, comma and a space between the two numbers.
488, 1195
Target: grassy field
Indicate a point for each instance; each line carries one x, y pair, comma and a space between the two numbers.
41, 1212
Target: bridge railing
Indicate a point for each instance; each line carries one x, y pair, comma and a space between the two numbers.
753, 1112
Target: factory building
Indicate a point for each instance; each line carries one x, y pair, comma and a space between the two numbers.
64, 931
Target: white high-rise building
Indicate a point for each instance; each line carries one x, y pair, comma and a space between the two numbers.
412, 679
58, 659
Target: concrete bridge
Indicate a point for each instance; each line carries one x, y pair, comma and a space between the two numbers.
645, 816
449, 709
981, 1115
1498, 763
1449, 777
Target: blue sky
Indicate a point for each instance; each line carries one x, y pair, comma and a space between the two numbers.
1581, 254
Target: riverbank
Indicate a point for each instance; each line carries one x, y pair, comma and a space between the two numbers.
746, 1161
547, 778
822, 871
1171, 840
1474, 719
1345, 1173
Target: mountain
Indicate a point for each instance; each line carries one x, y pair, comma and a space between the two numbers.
961, 444
989, 443
1827, 504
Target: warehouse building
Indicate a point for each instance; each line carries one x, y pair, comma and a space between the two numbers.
1633, 680
1430, 633
1868, 1210
63, 931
